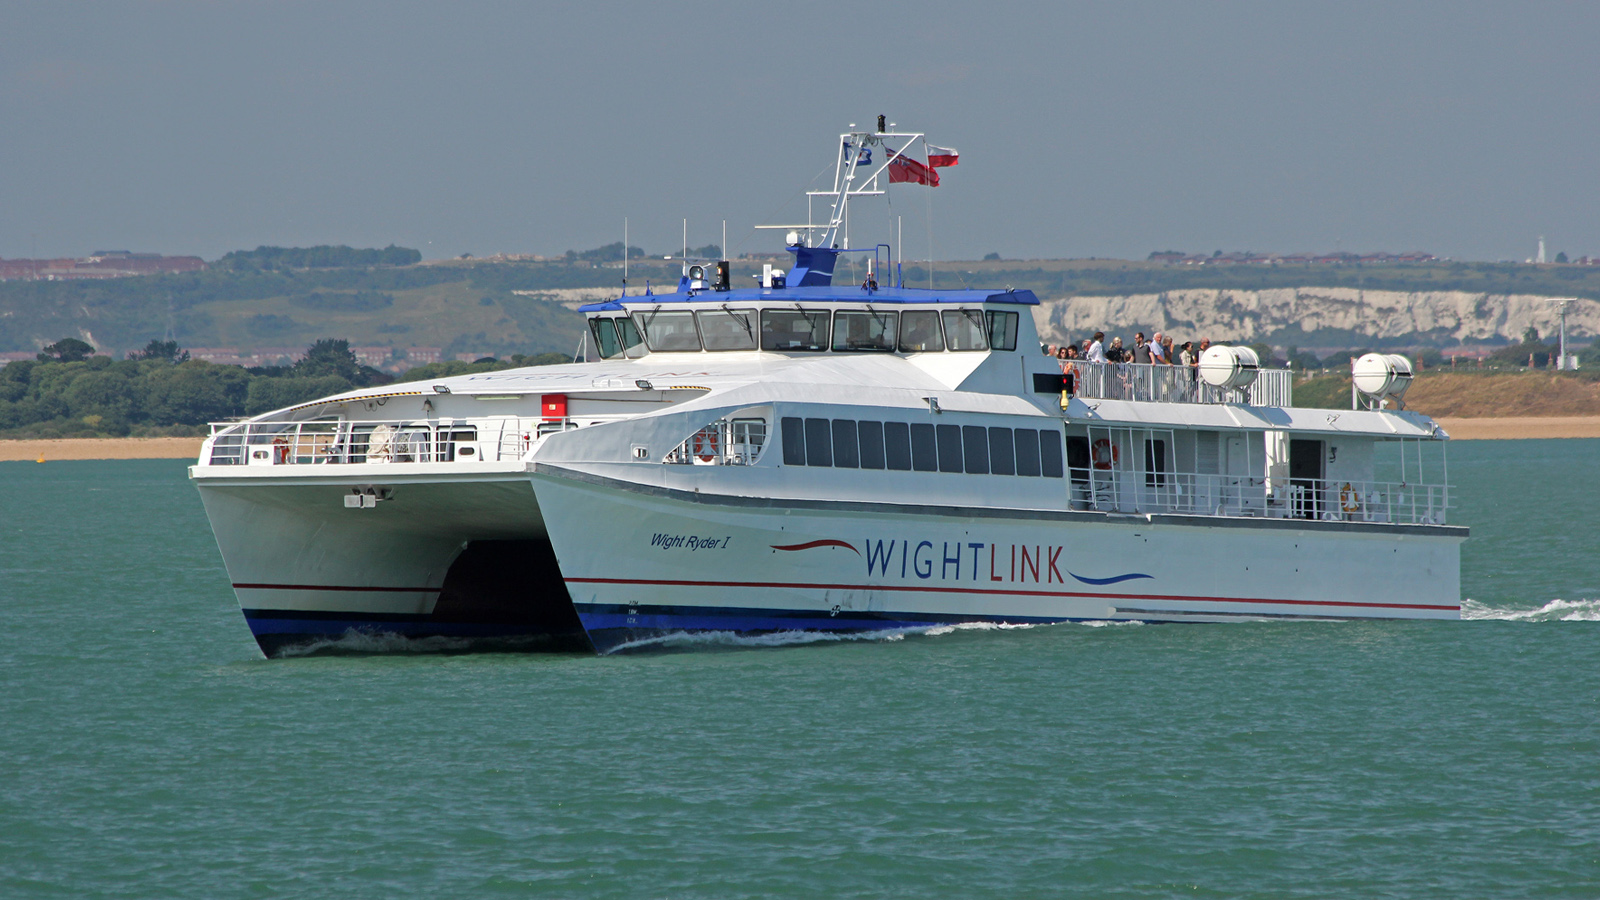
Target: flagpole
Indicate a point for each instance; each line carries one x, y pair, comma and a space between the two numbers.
624, 255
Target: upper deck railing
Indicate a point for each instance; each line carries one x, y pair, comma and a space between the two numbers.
1175, 384
342, 441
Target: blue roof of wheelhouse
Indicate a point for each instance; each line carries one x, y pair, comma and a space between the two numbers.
829, 294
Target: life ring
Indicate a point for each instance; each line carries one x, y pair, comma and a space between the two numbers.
1349, 500
705, 444
1106, 454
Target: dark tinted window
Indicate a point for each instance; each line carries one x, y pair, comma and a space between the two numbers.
1155, 463
924, 451
897, 445
794, 442
1078, 457
845, 454
1050, 453
949, 448
871, 445
1027, 452
975, 446
819, 443
1002, 459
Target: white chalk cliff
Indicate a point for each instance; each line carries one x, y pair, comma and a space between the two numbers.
1233, 315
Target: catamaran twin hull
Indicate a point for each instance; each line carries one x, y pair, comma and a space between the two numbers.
565, 559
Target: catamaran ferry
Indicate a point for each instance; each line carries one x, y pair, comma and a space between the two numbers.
811, 456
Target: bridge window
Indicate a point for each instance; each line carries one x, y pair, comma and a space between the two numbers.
632, 342
728, 329
669, 331
1002, 330
965, 329
802, 330
919, 332
870, 330
606, 342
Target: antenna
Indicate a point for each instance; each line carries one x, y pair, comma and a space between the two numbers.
724, 238
624, 255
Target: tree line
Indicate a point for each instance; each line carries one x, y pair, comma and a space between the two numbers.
70, 391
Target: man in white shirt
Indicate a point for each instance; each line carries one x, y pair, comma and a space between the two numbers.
1158, 353
1097, 349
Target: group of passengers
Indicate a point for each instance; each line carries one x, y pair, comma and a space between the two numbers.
1159, 350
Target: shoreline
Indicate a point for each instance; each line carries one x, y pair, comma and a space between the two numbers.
63, 449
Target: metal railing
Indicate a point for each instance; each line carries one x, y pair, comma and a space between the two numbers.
1175, 384
339, 441
1322, 500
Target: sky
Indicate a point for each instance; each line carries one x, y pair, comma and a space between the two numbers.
1102, 129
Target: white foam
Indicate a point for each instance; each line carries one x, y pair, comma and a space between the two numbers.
689, 639
354, 641
1554, 611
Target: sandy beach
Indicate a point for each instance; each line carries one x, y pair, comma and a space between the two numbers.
1511, 428
101, 448
1460, 429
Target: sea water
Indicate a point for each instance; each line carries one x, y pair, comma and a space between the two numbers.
147, 750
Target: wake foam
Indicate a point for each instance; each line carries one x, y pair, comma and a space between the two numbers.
695, 640
1554, 611
355, 642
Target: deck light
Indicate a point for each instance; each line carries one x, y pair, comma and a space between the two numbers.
643, 385
441, 389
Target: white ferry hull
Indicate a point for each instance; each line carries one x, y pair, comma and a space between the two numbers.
641, 562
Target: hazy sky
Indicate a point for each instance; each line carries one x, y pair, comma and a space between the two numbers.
1107, 129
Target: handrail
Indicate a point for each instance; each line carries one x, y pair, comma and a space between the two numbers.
355, 441
1211, 494
1175, 384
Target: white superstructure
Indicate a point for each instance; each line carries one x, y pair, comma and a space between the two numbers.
805, 456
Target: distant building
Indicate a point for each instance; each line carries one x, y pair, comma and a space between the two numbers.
420, 356
101, 264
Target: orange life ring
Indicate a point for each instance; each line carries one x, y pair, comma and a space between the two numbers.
1349, 500
1105, 454
705, 444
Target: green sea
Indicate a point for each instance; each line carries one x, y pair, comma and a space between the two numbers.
148, 751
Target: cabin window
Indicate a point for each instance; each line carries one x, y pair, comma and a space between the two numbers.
900, 446
964, 329
449, 439
1050, 453
919, 332
819, 443
796, 330
632, 342
866, 331
606, 342
897, 446
924, 450
949, 447
728, 329
871, 445
794, 441
666, 332
1002, 330
1002, 456
1027, 452
1078, 457
975, 447
846, 451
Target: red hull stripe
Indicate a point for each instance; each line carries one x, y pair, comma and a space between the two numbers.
334, 587
1011, 593
825, 542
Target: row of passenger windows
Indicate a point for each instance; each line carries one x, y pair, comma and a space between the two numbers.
802, 330
973, 449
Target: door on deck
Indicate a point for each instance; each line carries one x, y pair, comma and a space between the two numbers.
1306, 486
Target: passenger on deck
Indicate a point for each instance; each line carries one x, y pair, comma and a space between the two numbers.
1167, 353
1141, 349
1115, 353
1158, 353
1097, 352
1187, 355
